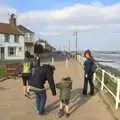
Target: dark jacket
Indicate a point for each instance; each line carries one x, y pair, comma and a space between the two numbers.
65, 89
42, 74
89, 66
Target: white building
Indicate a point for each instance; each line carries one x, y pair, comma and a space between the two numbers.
29, 39
46, 45
11, 41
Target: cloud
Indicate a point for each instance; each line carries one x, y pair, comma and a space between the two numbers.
94, 22
74, 16
5, 12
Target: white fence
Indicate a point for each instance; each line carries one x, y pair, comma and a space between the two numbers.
103, 85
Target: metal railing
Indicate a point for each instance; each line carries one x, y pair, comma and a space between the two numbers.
108, 82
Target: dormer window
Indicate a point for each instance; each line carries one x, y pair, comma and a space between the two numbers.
16, 39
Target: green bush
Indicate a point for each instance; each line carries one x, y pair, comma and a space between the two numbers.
99, 74
3, 71
108, 81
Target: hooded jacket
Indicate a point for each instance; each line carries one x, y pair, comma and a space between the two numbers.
65, 89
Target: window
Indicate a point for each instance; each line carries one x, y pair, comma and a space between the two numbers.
7, 38
28, 35
20, 49
11, 51
16, 39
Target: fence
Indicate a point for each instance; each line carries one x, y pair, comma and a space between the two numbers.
13, 69
106, 81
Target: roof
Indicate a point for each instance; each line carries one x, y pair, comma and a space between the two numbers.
8, 29
24, 29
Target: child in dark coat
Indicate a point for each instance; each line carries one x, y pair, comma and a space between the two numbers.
65, 87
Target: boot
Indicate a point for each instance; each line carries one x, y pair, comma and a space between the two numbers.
61, 113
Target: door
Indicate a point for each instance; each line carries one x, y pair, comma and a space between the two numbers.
2, 53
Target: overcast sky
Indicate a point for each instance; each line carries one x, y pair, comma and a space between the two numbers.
97, 22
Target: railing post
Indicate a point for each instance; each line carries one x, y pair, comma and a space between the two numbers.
52, 60
102, 82
94, 76
117, 94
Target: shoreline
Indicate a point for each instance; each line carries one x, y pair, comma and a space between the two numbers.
110, 69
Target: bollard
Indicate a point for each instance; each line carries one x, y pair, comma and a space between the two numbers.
94, 76
66, 62
52, 60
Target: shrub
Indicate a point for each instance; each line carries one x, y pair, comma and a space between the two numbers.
3, 71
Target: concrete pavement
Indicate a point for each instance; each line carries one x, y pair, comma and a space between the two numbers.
14, 106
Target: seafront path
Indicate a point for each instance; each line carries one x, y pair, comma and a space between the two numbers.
14, 106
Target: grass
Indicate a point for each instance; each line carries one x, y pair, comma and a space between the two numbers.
111, 70
3, 71
108, 81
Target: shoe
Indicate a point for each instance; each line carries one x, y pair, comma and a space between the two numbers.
67, 115
61, 113
27, 94
42, 113
38, 112
84, 93
91, 93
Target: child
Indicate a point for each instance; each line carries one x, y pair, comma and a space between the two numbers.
88, 70
26, 75
65, 87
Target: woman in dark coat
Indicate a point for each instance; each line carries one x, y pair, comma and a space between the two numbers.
88, 72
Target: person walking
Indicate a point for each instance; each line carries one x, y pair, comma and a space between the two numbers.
88, 72
26, 74
37, 84
65, 87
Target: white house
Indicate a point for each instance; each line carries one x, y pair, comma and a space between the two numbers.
11, 41
29, 38
46, 45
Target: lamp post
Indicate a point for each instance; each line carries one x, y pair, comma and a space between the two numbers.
69, 46
76, 42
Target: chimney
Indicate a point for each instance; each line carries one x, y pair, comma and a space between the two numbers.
12, 20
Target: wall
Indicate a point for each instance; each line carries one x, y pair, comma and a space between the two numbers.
29, 37
29, 49
19, 54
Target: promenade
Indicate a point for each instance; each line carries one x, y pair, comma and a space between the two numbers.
14, 106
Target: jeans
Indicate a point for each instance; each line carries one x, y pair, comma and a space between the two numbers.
89, 79
40, 102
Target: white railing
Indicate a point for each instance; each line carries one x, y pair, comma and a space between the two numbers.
103, 85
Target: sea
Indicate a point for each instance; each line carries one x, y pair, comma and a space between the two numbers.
111, 59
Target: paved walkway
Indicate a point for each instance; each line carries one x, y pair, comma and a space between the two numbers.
14, 106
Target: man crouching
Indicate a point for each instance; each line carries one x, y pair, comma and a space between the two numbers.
42, 74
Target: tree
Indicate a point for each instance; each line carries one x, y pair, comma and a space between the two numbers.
27, 54
38, 48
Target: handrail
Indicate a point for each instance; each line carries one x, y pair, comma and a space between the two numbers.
115, 80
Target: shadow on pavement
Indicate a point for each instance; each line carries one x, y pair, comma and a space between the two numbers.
3, 88
53, 106
77, 100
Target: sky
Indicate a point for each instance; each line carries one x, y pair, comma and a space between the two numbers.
97, 21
